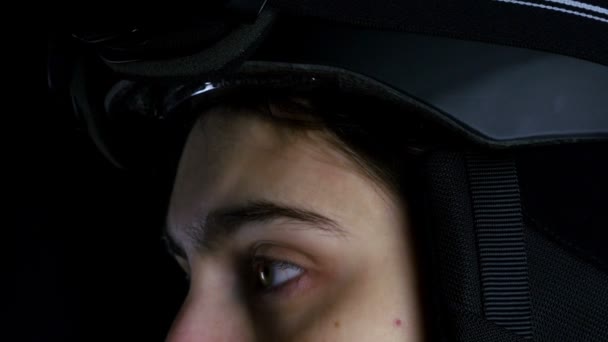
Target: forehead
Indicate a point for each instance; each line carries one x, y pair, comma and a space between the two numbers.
231, 158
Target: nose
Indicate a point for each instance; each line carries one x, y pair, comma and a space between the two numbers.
211, 318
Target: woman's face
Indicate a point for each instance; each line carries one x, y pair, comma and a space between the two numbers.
285, 239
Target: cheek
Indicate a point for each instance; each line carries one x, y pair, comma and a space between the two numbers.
375, 303
353, 318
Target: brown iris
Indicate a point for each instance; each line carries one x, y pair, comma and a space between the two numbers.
263, 274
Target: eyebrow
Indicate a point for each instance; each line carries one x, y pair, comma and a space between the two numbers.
224, 223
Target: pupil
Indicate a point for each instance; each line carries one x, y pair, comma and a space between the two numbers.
264, 274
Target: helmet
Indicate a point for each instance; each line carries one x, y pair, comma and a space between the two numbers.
519, 96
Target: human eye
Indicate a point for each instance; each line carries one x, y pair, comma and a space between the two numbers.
273, 275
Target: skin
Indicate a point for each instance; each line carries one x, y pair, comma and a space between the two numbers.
358, 285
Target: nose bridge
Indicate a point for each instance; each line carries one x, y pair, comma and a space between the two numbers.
212, 311
210, 318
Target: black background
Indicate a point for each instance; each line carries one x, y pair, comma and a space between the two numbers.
83, 239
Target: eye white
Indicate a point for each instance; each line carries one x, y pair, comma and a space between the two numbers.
283, 272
